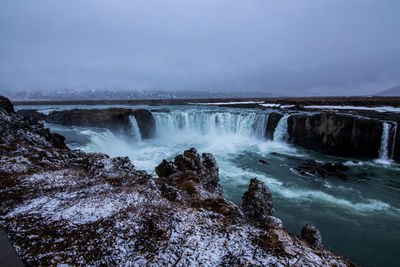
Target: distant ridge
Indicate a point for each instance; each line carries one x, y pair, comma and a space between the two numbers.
394, 91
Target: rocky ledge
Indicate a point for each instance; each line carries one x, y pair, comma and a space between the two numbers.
62, 206
116, 120
337, 134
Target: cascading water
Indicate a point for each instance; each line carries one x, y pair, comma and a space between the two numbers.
134, 129
208, 122
261, 125
383, 151
281, 131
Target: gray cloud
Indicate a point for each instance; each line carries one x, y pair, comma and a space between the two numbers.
285, 47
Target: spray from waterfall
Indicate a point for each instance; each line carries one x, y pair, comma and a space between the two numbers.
281, 130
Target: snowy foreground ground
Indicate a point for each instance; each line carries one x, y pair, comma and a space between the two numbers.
60, 206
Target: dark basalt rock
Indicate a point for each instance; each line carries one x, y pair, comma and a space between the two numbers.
6, 104
189, 160
273, 120
312, 235
323, 170
335, 134
257, 201
165, 169
56, 139
27, 113
210, 169
163, 110
19, 130
169, 192
146, 122
218, 205
396, 152
114, 119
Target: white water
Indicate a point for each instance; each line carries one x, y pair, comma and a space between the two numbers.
211, 123
281, 131
383, 151
135, 131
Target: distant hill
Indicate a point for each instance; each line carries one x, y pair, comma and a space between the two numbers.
394, 91
100, 94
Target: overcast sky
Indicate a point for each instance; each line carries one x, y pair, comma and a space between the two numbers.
307, 47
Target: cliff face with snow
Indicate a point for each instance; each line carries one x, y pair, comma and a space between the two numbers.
62, 206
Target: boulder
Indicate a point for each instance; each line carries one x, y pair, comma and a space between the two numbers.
273, 120
6, 104
257, 201
328, 169
335, 134
312, 236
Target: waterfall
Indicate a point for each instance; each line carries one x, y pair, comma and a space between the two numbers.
383, 151
210, 122
134, 129
281, 130
261, 125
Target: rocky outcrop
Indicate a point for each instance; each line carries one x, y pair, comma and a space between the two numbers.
114, 119
67, 207
310, 167
18, 130
335, 134
311, 234
258, 206
273, 120
6, 104
28, 113
396, 152
257, 200
191, 170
